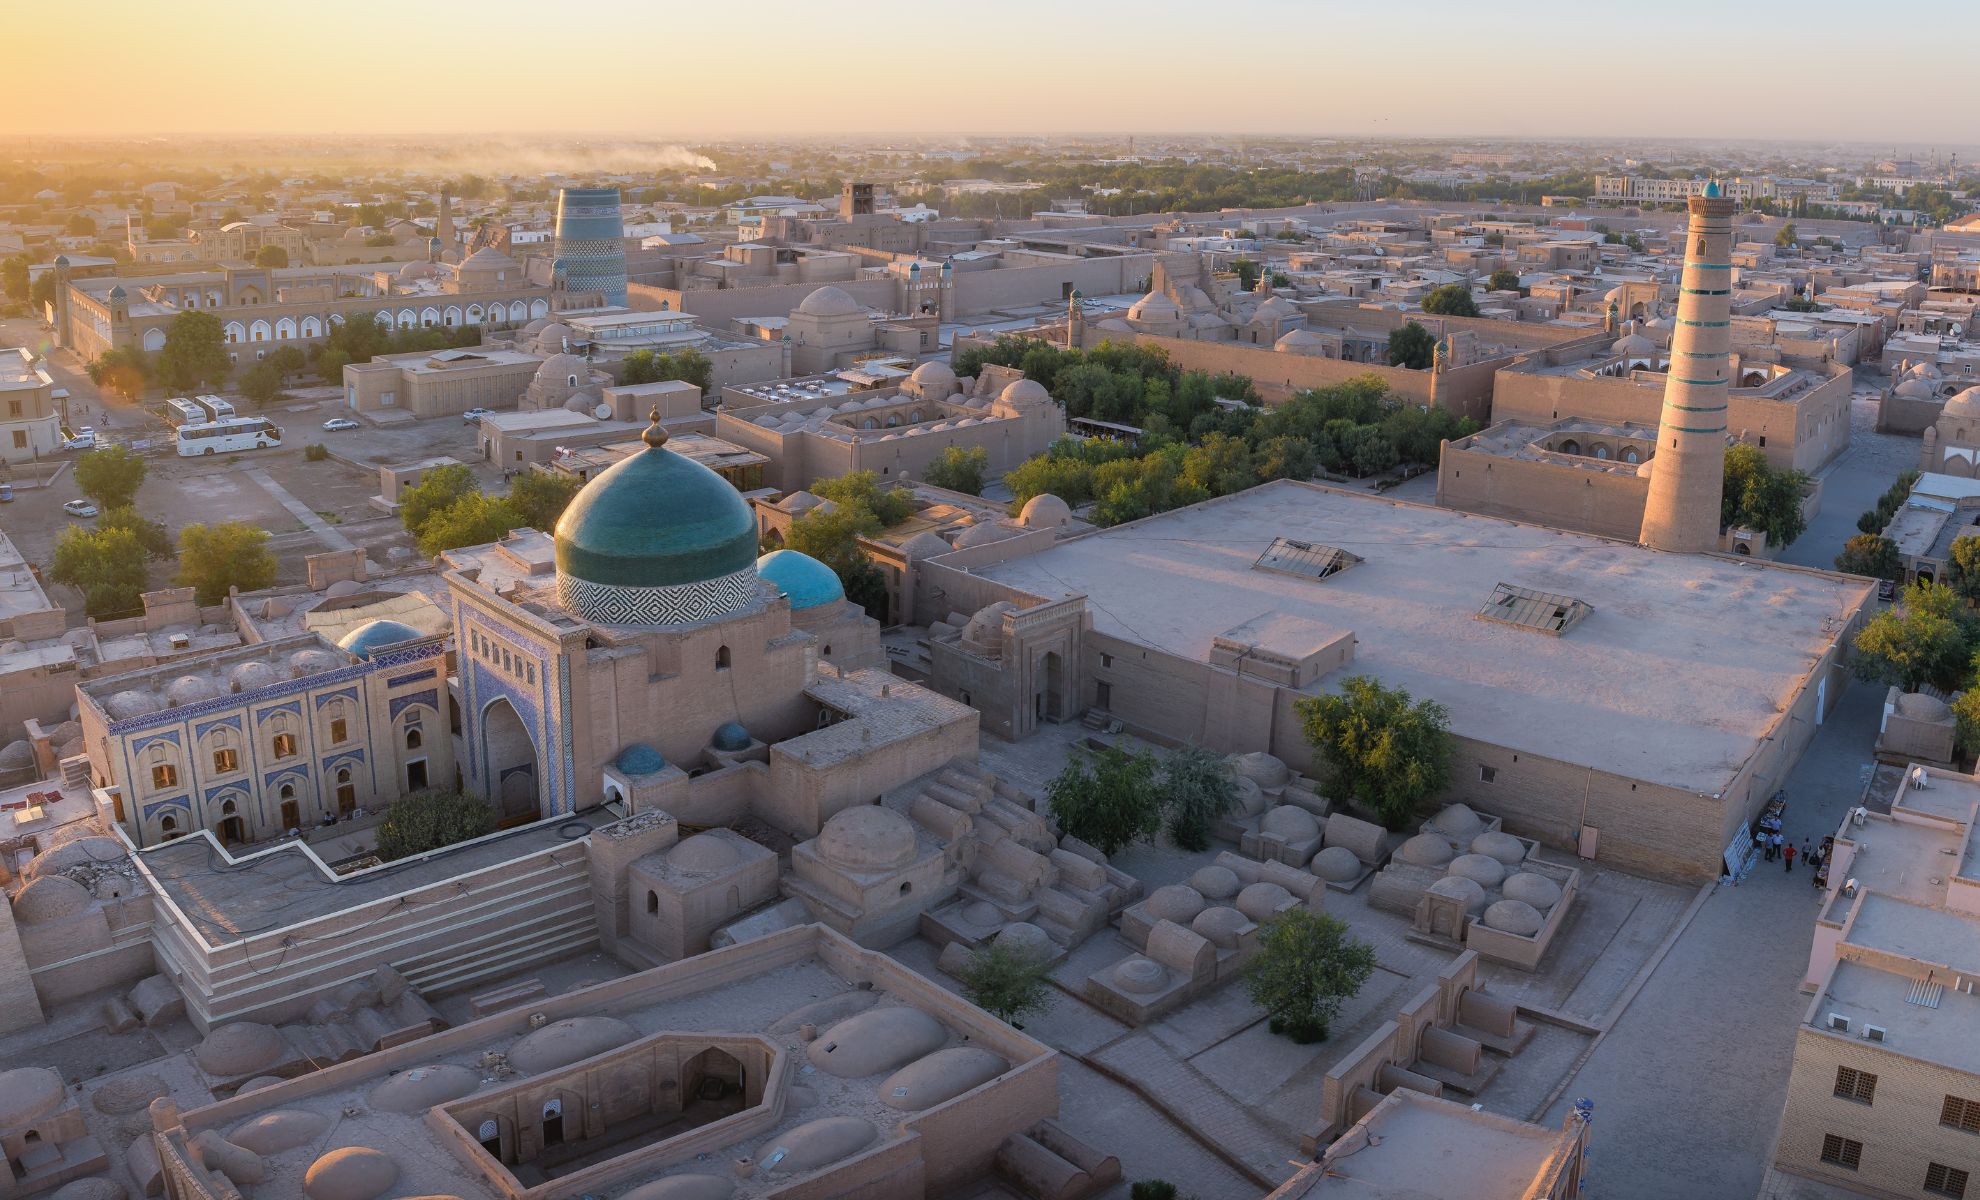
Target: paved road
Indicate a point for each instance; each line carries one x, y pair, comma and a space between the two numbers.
1688, 1086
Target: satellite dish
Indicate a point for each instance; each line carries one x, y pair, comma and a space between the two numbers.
603, 412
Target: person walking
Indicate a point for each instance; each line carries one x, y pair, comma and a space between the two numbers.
1767, 841
1787, 856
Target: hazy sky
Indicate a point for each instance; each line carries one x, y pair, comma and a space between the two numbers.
665, 68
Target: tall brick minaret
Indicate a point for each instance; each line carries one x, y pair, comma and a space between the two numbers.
1687, 474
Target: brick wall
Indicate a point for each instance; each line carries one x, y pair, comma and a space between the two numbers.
1899, 1129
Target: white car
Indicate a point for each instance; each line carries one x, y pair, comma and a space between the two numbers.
475, 414
339, 424
85, 439
80, 508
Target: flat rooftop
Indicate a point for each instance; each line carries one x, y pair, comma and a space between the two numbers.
1868, 996
1916, 931
1420, 1147
1661, 682
283, 886
19, 368
20, 591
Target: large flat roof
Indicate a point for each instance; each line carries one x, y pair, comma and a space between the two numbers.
1941, 1032
1420, 1146
1685, 664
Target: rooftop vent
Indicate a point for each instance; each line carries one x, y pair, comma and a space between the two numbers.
1924, 993
1308, 560
1547, 612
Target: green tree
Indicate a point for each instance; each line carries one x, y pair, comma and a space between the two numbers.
473, 520
106, 565
195, 351
152, 535
1219, 465
1412, 346
861, 489
1505, 281
1966, 719
80, 224
330, 366
437, 489
121, 370
1451, 300
542, 496
1070, 479
110, 475
1110, 806
1247, 273
648, 366
1964, 575
1007, 981
960, 470
213, 559
833, 539
427, 821
1871, 554
14, 277
1286, 458
1926, 637
261, 384
1197, 787
1760, 496
1381, 749
271, 256
1784, 236
1306, 966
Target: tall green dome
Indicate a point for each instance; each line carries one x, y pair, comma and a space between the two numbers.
656, 539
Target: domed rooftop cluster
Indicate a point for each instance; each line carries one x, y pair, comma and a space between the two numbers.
1965, 404
656, 539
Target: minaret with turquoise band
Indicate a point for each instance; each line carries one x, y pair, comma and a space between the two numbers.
1687, 474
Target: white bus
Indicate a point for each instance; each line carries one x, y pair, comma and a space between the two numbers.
181, 411
221, 437
215, 408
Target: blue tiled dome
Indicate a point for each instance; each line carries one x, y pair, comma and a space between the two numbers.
732, 737
640, 759
801, 577
372, 636
656, 520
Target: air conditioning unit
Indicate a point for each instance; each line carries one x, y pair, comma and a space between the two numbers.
1859, 815
1874, 1033
1918, 778
1838, 1022
1849, 888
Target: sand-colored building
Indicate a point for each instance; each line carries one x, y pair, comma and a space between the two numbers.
30, 416
1597, 696
1884, 1098
1412, 1146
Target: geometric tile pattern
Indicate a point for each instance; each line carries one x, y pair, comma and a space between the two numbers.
681, 604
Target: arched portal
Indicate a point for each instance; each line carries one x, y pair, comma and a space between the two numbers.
510, 756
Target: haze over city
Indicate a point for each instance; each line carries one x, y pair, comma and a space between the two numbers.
1276, 601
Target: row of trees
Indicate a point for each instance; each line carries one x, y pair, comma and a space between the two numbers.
447, 509
1125, 383
1870, 552
1354, 428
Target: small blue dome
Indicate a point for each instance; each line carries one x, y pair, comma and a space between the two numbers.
1712, 189
640, 759
732, 737
808, 582
118, 293
369, 638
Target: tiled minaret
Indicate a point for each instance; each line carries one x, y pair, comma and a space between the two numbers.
1687, 474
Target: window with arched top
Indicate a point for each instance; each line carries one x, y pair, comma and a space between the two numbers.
287, 791
1631, 455
571, 379
228, 809
168, 823
1701, 247
284, 745
652, 902
722, 659
343, 774
414, 738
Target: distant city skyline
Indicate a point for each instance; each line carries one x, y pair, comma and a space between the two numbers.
1414, 68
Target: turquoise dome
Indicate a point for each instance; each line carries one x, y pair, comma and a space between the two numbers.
655, 520
640, 759
808, 582
732, 737
372, 636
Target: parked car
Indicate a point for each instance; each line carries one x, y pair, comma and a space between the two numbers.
85, 439
339, 424
6, 493
80, 508
475, 414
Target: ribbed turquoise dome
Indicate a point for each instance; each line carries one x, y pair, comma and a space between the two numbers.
373, 636
655, 520
806, 581
732, 737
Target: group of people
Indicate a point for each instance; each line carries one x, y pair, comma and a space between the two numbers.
1777, 847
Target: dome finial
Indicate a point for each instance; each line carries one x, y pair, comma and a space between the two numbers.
654, 436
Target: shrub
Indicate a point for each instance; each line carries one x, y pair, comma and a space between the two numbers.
1305, 967
1152, 1189
429, 820
315, 452
1007, 982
